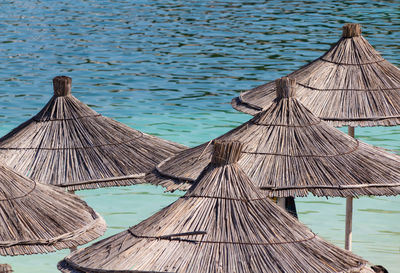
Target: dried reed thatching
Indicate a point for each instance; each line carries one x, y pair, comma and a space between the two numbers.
290, 152
5, 268
222, 224
69, 145
351, 84
38, 218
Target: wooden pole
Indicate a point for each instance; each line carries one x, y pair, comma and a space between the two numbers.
286, 88
349, 223
288, 204
281, 202
72, 249
349, 210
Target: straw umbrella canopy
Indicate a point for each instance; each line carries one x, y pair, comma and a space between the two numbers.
5, 268
38, 218
290, 152
351, 84
222, 224
69, 145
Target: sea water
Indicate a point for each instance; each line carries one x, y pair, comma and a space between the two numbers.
171, 68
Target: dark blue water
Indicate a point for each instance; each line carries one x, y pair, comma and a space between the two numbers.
170, 68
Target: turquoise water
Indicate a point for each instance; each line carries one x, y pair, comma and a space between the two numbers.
170, 68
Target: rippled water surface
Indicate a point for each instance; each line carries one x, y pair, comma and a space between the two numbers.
170, 68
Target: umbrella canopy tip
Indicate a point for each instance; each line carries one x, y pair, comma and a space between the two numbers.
62, 85
285, 87
226, 152
351, 30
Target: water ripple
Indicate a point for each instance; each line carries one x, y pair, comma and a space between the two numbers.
170, 68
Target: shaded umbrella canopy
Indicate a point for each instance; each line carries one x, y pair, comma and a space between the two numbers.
290, 152
70, 145
351, 84
222, 224
37, 218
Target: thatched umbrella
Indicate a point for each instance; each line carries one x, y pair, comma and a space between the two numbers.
351, 84
290, 152
222, 224
70, 145
38, 218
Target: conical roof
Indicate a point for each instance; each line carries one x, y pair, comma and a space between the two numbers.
37, 218
351, 84
290, 152
70, 145
222, 224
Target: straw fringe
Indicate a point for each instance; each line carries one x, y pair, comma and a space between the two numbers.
350, 85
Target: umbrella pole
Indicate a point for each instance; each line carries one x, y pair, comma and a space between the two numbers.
72, 249
349, 210
288, 204
281, 202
